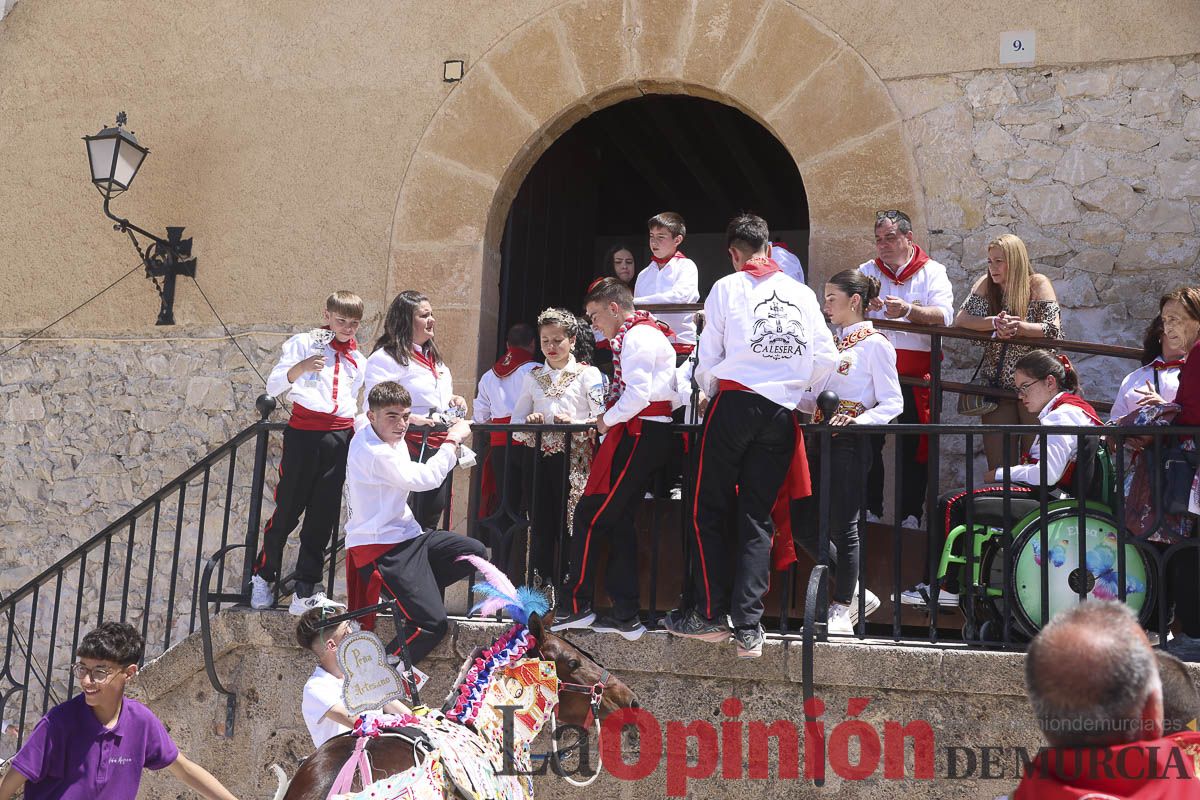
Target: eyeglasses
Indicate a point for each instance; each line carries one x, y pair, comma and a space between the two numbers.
891, 214
1023, 390
97, 674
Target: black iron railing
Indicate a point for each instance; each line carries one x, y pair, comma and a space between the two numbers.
155, 567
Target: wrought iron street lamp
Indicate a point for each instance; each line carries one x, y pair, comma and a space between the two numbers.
115, 157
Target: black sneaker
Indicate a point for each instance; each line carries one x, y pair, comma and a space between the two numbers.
749, 641
580, 620
694, 625
632, 628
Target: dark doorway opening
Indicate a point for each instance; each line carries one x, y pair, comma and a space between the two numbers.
599, 183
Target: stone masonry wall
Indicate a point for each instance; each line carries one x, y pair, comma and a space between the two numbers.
1096, 168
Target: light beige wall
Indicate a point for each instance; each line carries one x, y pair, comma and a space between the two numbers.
281, 133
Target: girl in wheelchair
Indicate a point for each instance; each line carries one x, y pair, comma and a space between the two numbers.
1048, 386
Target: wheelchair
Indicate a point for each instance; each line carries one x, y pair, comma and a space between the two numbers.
1095, 572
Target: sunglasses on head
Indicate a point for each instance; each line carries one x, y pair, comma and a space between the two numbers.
891, 214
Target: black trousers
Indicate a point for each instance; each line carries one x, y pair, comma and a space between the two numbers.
912, 479
509, 465
849, 457
610, 517
311, 473
548, 518
415, 572
428, 506
747, 445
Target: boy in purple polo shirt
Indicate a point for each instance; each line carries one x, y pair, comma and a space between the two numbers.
95, 745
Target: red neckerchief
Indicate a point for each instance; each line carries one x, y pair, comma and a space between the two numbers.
919, 260
513, 358
1068, 399
662, 262
760, 267
1176, 364
617, 342
344, 348
1157, 768
425, 361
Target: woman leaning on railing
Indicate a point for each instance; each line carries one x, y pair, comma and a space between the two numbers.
1013, 301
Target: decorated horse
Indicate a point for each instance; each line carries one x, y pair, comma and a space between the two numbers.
461, 751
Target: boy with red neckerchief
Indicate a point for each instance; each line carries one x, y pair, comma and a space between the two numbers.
912, 288
637, 443
498, 391
322, 372
764, 342
670, 277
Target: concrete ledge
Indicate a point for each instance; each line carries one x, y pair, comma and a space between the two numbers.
968, 699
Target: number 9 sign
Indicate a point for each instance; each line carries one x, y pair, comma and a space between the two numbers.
1017, 48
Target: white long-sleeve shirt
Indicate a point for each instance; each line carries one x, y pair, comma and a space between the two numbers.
497, 395
768, 334
429, 393
866, 374
677, 281
787, 261
334, 390
1060, 450
1127, 399
573, 390
929, 287
648, 371
379, 478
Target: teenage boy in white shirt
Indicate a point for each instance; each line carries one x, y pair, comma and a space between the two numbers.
383, 539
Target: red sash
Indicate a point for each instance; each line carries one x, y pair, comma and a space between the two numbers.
361, 593
916, 364
1157, 769
600, 477
414, 437
305, 419
683, 349
796, 485
488, 491
919, 259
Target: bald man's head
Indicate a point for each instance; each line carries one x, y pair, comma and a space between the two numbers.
1092, 678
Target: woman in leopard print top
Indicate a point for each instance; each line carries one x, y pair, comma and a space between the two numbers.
1009, 285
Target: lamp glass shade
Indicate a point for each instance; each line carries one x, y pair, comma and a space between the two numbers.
115, 158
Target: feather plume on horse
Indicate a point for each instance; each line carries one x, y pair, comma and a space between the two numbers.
525, 656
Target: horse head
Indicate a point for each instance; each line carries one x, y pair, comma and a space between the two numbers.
577, 668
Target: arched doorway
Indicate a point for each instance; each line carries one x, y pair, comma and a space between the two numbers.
598, 183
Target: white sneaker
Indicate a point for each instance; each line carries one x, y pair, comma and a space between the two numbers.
913, 596
261, 595
319, 600
839, 620
870, 606
421, 678
873, 517
911, 522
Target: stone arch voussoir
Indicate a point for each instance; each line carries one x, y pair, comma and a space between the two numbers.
767, 58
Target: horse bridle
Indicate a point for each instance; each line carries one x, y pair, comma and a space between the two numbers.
595, 694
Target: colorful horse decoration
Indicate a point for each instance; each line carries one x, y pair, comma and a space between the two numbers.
461, 750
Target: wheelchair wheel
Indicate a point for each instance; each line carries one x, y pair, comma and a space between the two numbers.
1097, 574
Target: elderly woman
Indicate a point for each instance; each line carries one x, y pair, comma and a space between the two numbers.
564, 392
1011, 300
